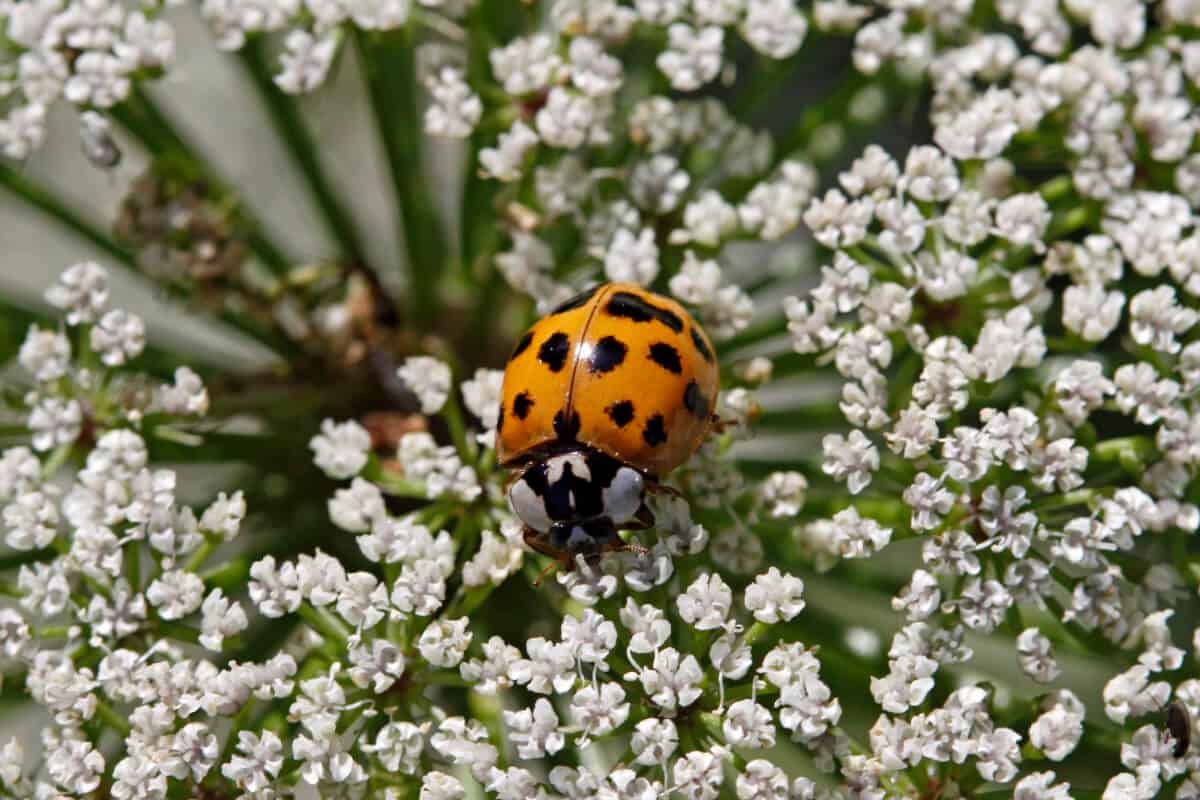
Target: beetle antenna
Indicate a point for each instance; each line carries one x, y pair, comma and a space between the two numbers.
551, 567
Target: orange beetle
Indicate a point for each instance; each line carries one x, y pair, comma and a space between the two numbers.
602, 397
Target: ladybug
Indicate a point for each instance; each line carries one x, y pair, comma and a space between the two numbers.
602, 398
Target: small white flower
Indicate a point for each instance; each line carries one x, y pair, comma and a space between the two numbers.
341, 449
1035, 656
706, 221
706, 603
568, 118
699, 774
118, 337
259, 760
1131, 694
31, 521
526, 65
81, 291
783, 493
548, 669
429, 379
76, 766
440, 786
852, 459
275, 592
358, 508
838, 222
929, 175
632, 258
45, 354
1058, 730
378, 666
455, 109
221, 619
176, 594
186, 396
600, 711
673, 682
491, 674
535, 733
305, 61
749, 725
693, 57
774, 27
1091, 312
654, 740
54, 422
1041, 786
856, 536
775, 596
920, 598
657, 185
506, 160
481, 396
444, 642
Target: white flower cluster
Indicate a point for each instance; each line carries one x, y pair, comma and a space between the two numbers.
1011, 312
87, 52
562, 87
952, 271
122, 623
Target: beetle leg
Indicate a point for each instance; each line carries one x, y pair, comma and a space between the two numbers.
662, 488
632, 547
534, 541
718, 425
642, 521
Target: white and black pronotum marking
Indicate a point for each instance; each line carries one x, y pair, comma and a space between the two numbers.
578, 499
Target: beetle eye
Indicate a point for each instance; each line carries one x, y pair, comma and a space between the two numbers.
528, 506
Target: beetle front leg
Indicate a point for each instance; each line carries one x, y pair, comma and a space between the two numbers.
535, 540
662, 488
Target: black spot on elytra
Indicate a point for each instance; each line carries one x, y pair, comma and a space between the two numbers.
695, 401
631, 306
553, 352
521, 405
701, 346
500, 419
610, 352
666, 357
566, 428
621, 413
655, 432
576, 301
522, 345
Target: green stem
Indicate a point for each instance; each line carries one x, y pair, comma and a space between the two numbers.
389, 69
133, 564
56, 460
452, 413
290, 125
179, 631
38, 197
197, 559
324, 623
110, 717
